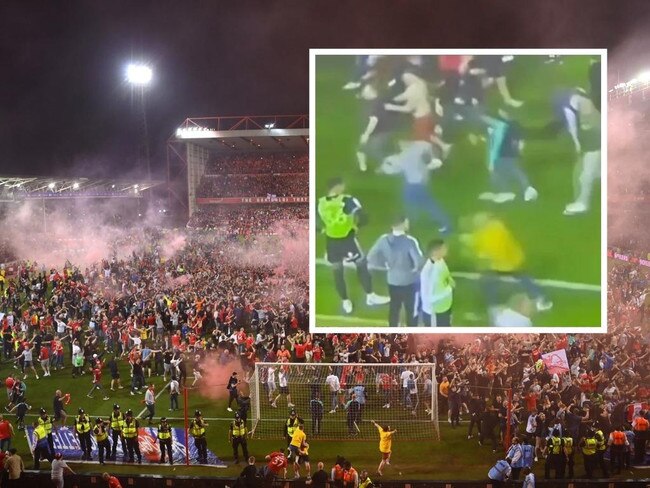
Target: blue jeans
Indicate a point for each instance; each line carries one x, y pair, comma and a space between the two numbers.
5, 444
490, 283
506, 171
417, 198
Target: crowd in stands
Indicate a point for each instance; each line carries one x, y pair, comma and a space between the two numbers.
254, 164
252, 175
244, 220
263, 185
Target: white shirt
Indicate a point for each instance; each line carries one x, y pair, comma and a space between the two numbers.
270, 379
529, 481
427, 283
149, 397
58, 465
507, 317
173, 386
283, 379
405, 378
76, 350
333, 382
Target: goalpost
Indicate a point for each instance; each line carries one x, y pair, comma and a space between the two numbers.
339, 400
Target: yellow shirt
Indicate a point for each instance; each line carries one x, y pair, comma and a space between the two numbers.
495, 244
385, 440
444, 388
298, 438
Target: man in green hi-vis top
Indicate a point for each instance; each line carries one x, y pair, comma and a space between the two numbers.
341, 215
436, 287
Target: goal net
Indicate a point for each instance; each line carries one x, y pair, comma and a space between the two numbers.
339, 401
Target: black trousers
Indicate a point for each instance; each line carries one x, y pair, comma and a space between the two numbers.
50, 442
86, 445
474, 420
166, 444
402, 296
639, 446
617, 456
442, 319
117, 434
202, 446
556, 462
41, 452
104, 449
590, 461
133, 447
600, 462
315, 425
236, 442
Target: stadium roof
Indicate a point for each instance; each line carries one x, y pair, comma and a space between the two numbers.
262, 133
30, 187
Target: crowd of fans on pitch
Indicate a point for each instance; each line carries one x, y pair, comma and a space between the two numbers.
213, 295
251, 175
251, 219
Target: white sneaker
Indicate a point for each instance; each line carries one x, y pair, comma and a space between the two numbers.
351, 85
347, 306
542, 304
332, 411
486, 196
374, 299
361, 160
575, 208
229, 409
435, 164
530, 194
504, 197
274, 405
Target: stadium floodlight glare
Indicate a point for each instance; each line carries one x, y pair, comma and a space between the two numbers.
51, 186
644, 77
138, 74
269, 125
75, 186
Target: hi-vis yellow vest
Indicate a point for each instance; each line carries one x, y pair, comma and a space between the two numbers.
238, 429
130, 430
164, 433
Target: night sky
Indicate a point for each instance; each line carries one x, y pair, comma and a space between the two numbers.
65, 108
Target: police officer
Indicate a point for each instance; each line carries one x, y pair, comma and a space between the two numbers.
46, 421
588, 445
130, 432
197, 429
101, 436
82, 428
291, 425
117, 424
41, 448
568, 455
601, 447
364, 480
165, 440
555, 455
237, 437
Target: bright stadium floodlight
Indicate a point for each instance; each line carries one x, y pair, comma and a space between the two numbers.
138, 74
644, 77
270, 125
75, 186
51, 186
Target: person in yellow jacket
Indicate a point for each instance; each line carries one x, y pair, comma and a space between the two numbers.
165, 440
46, 421
237, 437
82, 429
101, 436
500, 254
130, 432
197, 430
385, 445
39, 441
588, 445
116, 421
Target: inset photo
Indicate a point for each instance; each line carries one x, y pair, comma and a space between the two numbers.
458, 189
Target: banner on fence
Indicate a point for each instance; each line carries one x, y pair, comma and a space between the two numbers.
67, 443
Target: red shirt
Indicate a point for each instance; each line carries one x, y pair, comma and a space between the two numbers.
113, 482
97, 375
278, 462
300, 351
450, 63
45, 353
5, 429
318, 354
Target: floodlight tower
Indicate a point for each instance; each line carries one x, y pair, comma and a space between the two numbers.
139, 77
